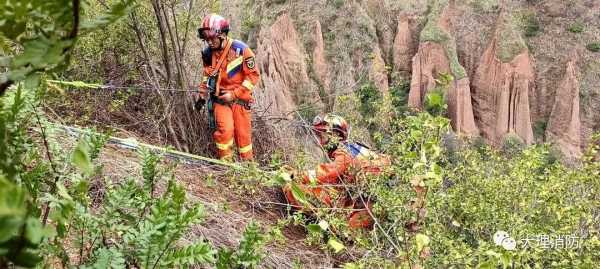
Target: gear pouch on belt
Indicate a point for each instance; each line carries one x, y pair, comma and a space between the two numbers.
211, 84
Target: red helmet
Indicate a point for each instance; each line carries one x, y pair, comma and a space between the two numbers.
213, 25
330, 123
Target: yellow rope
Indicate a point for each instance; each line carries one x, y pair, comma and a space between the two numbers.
132, 143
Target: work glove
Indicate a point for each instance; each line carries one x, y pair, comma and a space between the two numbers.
282, 178
199, 104
202, 92
227, 97
285, 176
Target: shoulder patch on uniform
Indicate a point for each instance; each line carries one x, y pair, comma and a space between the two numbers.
250, 63
238, 46
353, 149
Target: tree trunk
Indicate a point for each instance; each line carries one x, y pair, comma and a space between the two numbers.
160, 20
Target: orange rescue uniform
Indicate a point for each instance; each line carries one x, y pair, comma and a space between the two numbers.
325, 184
239, 75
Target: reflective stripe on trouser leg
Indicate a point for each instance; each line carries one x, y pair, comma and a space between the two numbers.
223, 135
224, 150
242, 119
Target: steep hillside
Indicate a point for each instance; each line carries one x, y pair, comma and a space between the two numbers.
464, 108
507, 58
226, 213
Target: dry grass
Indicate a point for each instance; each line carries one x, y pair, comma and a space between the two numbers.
227, 212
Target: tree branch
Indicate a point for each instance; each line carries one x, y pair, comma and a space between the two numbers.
75, 26
4, 86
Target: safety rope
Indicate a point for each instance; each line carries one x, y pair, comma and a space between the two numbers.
81, 84
133, 144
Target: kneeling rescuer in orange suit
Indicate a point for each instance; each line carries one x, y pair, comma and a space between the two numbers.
229, 77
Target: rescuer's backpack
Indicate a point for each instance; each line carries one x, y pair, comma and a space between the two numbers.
370, 161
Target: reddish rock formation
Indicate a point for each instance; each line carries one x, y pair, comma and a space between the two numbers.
564, 126
437, 55
319, 63
281, 59
427, 64
501, 87
460, 109
403, 48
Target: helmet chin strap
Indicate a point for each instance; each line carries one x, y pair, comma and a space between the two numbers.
222, 43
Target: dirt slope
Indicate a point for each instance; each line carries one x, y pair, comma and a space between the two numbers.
227, 211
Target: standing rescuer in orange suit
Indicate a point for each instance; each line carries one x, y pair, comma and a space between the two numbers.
230, 75
324, 186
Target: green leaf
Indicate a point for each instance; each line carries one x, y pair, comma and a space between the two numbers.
34, 232
81, 158
336, 245
116, 11
12, 209
28, 258
486, 265
298, 194
225, 259
108, 258
32, 81
506, 260
422, 241
4, 61
62, 191
313, 228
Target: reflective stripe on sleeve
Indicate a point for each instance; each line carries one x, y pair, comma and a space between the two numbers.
312, 176
248, 85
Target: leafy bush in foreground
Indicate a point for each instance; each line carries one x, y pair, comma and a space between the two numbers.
440, 205
62, 210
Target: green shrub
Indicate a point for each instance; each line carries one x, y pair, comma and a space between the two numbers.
593, 47
576, 28
370, 99
539, 129
531, 25
484, 5
439, 205
338, 3
435, 100
249, 252
141, 224
512, 145
399, 95
47, 212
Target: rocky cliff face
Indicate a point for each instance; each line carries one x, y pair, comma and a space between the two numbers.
501, 86
320, 65
281, 59
404, 46
564, 127
436, 56
312, 51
